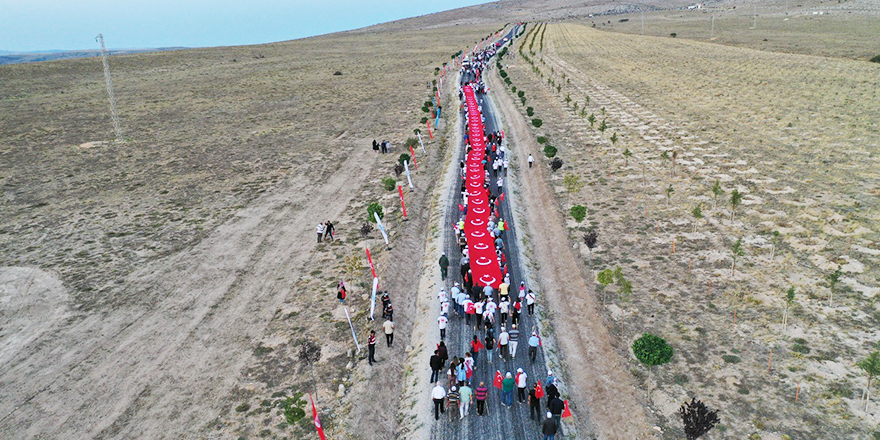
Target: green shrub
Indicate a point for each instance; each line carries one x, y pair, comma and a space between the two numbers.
374, 208
652, 350
508, 81
731, 359
543, 140
423, 120
579, 213
876, 59
520, 93
293, 408
403, 158
522, 100
513, 89
502, 73
530, 111
537, 123
243, 407
411, 142
389, 183
550, 151
673, 35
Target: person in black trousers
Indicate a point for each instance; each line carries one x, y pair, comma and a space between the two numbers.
534, 404
371, 346
436, 363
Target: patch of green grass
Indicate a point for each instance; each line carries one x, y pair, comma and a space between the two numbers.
731, 359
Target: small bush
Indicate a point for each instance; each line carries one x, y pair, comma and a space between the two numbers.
652, 350
520, 93
579, 213
411, 142
550, 151
374, 208
403, 158
513, 89
530, 111
337, 73
502, 73
522, 100
876, 59
292, 407
673, 35
389, 183
424, 120
731, 359
243, 407
537, 123
555, 164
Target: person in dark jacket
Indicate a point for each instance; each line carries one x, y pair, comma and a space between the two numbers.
443, 353
552, 391
371, 345
556, 406
549, 427
444, 266
534, 404
436, 365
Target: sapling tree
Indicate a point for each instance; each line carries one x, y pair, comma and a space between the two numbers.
674, 157
789, 301
556, 164
592, 120
736, 251
717, 190
603, 126
602, 111
871, 366
583, 112
626, 155
697, 418
735, 200
833, 278
310, 354
572, 184
591, 238
669, 191
614, 138
366, 228
698, 214
604, 278
774, 239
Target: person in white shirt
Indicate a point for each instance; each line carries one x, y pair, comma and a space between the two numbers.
320, 231
444, 308
504, 310
442, 322
437, 395
530, 302
441, 296
503, 341
521, 377
531, 160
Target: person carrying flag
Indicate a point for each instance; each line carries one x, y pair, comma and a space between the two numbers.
507, 386
521, 377
535, 404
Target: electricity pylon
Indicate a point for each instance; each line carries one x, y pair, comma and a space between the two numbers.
116, 126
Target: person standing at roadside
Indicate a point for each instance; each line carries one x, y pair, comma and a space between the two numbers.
530, 302
442, 322
556, 406
320, 230
534, 342
438, 394
371, 347
444, 266
388, 326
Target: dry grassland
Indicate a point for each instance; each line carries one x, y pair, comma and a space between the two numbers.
798, 137
177, 273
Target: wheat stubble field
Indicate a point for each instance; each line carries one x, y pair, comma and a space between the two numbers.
797, 136
162, 288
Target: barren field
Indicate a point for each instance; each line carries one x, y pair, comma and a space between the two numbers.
163, 287
796, 136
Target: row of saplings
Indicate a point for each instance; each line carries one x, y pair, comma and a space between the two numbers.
698, 419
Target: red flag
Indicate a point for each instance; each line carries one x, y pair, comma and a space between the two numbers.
471, 309
317, 421
413, 157
539, 391
498, 379
501, 197
400, 191
566, 412
430, 133
516, 379
370, 259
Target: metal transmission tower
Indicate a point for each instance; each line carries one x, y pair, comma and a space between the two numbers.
100, 39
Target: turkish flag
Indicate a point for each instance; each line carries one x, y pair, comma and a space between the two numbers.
318, 421
471, 309
501, 197
539, 391
498, 379
566, 412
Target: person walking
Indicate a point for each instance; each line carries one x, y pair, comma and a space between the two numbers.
329, 230
444, 266
530, 302
503, 341
453, 398
436, 364
443, 353
438, 394
549, 427
490, 344
442, 322
521, 378
534, 404
388, 326
466, 394
341, 291
531, 160
476, 346
320, 230
556, 406
507, 386
481, 393
513, 336
375, 146
371, 346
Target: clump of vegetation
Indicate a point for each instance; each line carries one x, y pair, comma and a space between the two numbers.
673, 35
556, 164
530, 111
243, 407
389, 183
652, 350
537, 123
731, 359
337, 73
403, 158
579, 213
374, 208
550, 151
543, 140
697, 418
876, 59
293, 408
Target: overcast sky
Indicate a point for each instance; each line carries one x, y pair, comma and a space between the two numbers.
31, 25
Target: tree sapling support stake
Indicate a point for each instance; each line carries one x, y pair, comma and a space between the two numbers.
353, 334
402, 205
419, 134
370, 260
381, 228
413, 156
373, 298
408, 178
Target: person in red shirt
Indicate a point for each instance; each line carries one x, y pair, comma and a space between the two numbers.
371, 346
476, 346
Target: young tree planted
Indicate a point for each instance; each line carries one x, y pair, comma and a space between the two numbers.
669, 191
871, 367
652, 350
626, 155
572, 184
604, 278
735, 200
592, 120
697, 418
789, 301
603, 126
614, 138
591, 238
698, 215
717, 190
736, 251
774, 239
833, 278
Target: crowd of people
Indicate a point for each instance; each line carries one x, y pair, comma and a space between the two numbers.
494, 318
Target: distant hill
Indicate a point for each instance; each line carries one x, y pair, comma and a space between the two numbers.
7, 57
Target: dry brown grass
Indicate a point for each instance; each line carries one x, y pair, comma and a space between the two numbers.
797, 135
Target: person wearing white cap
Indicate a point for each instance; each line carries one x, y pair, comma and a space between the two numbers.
549, 427
521, 377
551, 379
